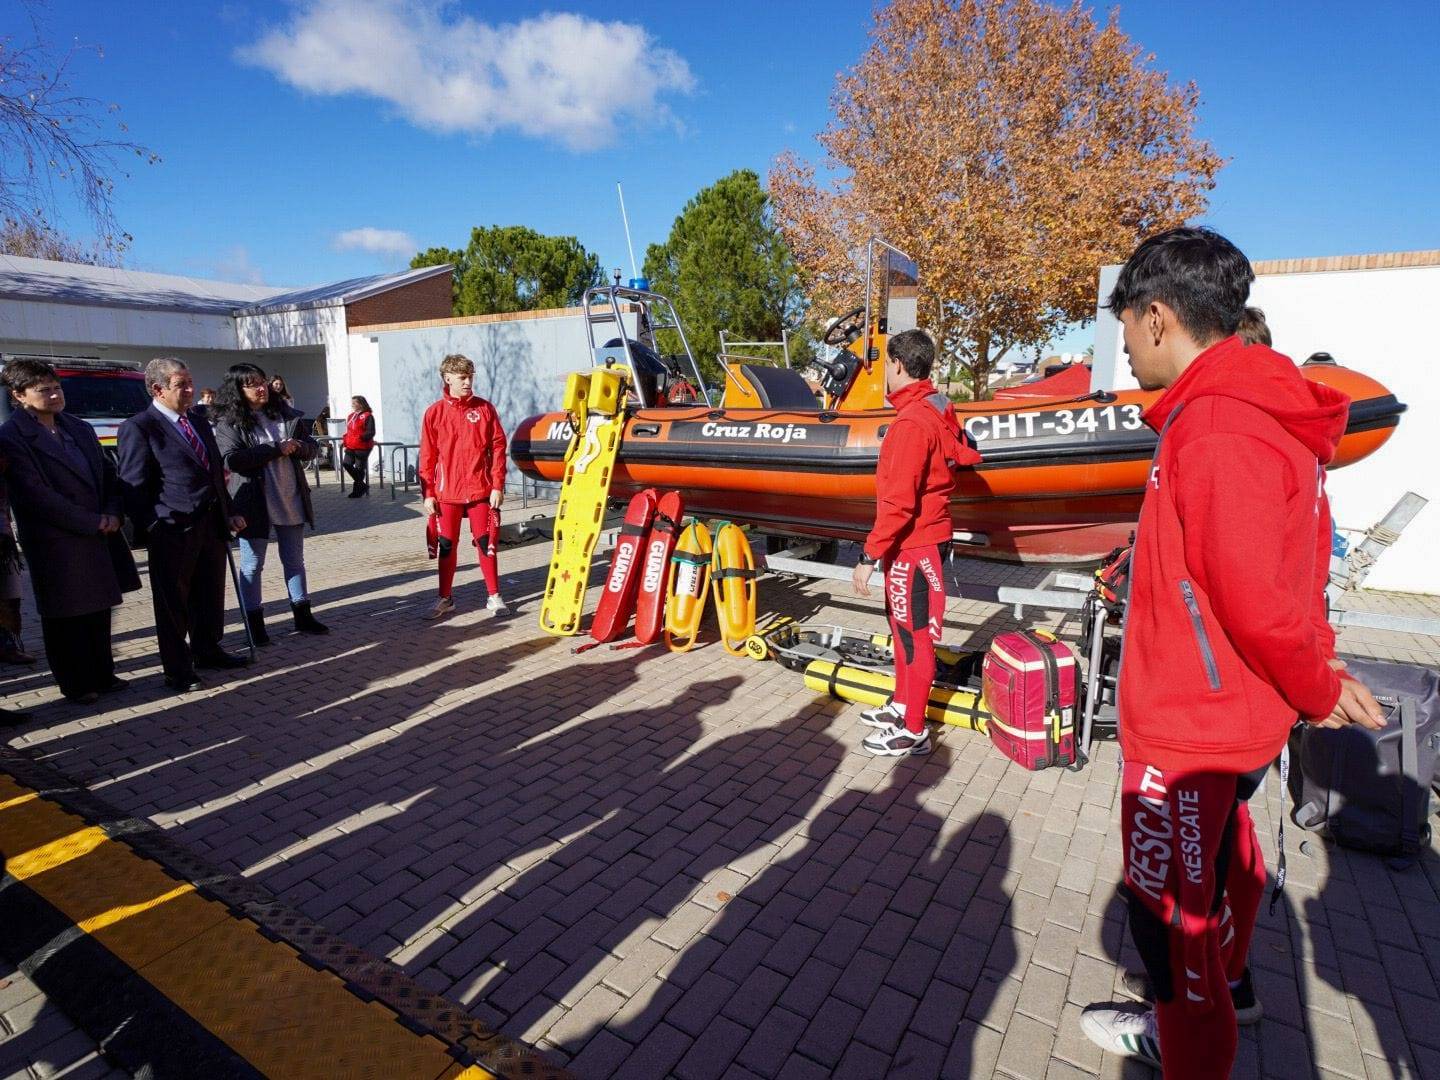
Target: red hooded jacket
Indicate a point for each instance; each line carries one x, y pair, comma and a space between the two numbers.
462, 450
915, 476
1226, 635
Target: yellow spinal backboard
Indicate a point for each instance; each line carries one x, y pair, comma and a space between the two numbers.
596, 403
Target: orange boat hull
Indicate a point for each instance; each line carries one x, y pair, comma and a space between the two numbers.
1060, 481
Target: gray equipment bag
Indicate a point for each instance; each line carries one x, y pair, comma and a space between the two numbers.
1371, 789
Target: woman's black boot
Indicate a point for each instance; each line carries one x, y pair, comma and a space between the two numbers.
306, 623
256, 621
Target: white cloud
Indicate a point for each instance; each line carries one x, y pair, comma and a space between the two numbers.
235, 266
387, 242
556, 76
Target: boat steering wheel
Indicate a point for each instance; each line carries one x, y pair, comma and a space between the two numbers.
846, 328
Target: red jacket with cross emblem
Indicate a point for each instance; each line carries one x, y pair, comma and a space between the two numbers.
462, 450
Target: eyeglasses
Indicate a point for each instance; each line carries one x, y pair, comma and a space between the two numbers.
254, 385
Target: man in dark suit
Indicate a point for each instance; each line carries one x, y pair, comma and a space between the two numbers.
175, 491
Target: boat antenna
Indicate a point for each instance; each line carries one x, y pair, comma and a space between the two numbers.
634, 270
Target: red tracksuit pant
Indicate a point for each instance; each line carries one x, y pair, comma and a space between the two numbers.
481, 521
1196, 876
915, 604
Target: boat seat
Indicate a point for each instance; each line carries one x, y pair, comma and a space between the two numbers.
780, 388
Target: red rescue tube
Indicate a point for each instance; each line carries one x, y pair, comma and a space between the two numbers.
617, 599
659, 545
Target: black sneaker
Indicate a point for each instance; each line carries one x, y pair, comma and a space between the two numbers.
897, 742
1247, 1006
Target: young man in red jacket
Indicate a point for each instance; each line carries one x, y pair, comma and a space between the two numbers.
1226, 638
462, 474
913, 483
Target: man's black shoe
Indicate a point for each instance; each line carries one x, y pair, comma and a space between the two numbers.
183, 684
113, 685
222, 661
87, 698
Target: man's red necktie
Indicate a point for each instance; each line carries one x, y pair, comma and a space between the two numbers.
194, 441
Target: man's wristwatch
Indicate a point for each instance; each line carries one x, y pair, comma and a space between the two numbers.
867, 560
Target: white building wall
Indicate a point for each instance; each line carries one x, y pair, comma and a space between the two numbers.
520, 367
363, 379
1376, 322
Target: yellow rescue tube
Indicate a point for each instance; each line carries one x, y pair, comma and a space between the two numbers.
957, 707
689, 587
732, 578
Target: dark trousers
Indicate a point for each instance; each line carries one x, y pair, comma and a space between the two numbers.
357, 464
78, 648
187, 583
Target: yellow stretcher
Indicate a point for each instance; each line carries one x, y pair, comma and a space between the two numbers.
595, 401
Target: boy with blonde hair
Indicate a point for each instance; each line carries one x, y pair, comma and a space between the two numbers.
462, 475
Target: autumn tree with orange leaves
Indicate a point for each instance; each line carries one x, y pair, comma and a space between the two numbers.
1012, 148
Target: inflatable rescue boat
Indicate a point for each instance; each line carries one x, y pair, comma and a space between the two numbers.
1060, 480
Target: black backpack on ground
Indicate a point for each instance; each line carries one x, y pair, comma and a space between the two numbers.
1371, 789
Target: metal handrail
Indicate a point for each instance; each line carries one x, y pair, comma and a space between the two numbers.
784, 343
404, 449
612, 295
335, 442
380, 446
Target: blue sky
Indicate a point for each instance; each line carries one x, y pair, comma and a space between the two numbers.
284, 126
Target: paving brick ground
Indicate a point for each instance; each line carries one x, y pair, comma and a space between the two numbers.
683, 865
37, 1040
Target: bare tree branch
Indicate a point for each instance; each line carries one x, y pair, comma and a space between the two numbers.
55, 142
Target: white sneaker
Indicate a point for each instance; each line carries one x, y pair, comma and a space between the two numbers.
896, 741
497, 606
443, 606
1125, 1032
887, 715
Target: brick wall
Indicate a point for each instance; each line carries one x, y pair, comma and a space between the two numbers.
428, 299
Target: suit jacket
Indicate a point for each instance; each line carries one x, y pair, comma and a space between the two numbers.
247, 459
74, 570
162, 477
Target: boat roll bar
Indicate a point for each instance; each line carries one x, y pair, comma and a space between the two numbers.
653, 312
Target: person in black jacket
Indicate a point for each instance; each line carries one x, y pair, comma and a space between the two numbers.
12, 568
174, 486
265, 444
68, 509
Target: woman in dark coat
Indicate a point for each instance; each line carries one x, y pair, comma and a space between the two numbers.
67, 506
265, 444
12, 567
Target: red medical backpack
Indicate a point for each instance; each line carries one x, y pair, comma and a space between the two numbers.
1031, 683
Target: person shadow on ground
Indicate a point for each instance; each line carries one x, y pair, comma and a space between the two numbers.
633, 861
819, 948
